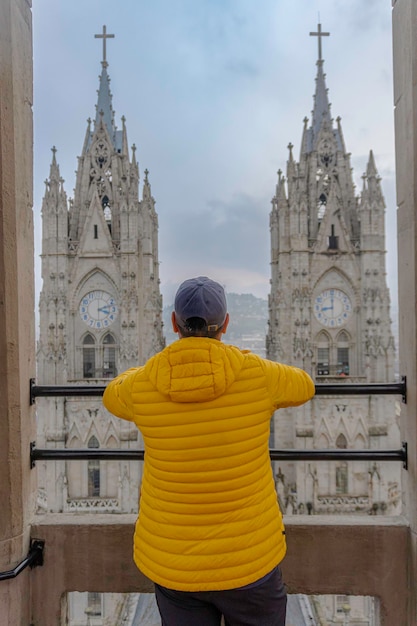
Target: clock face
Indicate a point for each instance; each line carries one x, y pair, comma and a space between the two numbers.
98, 309
332, 308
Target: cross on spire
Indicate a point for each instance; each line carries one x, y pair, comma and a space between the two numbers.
319, 34
104, 36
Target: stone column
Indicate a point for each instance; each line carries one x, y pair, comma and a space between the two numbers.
405, 100
17, 362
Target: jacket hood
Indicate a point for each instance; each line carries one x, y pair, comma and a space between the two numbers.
195, 369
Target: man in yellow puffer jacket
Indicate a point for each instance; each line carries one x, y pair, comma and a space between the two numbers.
209, 532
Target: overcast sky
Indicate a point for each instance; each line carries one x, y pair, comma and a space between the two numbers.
213, 91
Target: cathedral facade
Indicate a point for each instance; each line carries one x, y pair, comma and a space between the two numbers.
329, 313
100, 310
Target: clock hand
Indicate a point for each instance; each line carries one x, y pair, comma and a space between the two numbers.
104, 309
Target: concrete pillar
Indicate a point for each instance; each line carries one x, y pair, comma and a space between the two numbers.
405, 100
17, 362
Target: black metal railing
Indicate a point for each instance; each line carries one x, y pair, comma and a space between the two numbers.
337, 389
322, 389
90, 454
33, 559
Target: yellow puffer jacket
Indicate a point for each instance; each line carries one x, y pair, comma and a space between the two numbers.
209, 517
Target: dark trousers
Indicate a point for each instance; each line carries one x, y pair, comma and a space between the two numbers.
262, 605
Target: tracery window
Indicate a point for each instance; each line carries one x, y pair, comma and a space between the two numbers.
341, 442
105, 203
333, 354
109, 356
343, 354
89, 357
323, 355
99, 356
321, 206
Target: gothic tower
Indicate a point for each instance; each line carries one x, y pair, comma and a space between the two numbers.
329, 313
100, 309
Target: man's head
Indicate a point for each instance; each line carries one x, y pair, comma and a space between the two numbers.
200, 309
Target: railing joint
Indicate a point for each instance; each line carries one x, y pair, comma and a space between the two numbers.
32, 459
32, 397
404, 392
33, 559
405, 454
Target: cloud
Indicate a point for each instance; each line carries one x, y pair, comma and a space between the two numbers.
223, 234
363, 17
213, 92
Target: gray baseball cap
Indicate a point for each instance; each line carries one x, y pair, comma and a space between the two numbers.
201, 297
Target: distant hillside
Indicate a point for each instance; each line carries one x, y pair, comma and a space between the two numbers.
248, 322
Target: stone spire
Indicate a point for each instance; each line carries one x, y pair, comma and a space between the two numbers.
104, 104
321, 109
54, 174
55, 199
147, 194
321, 115
104, 108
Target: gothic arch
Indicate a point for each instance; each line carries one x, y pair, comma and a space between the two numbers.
343, 337
74, 442
323, 442
93, 442
342, 428
338, 278
324, 337
94, 280
361, 432
111, 432
108, 344
88, 339
323, 347
343, 353
341, 441
89, 356
109, 339
360, 442
111, 442
324, 428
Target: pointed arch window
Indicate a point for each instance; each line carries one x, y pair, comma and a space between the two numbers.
98, 356
105, 203
93, 470
109, 356
343, 354
323, 355
333, 355
341, 442
89, 357
321, 205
